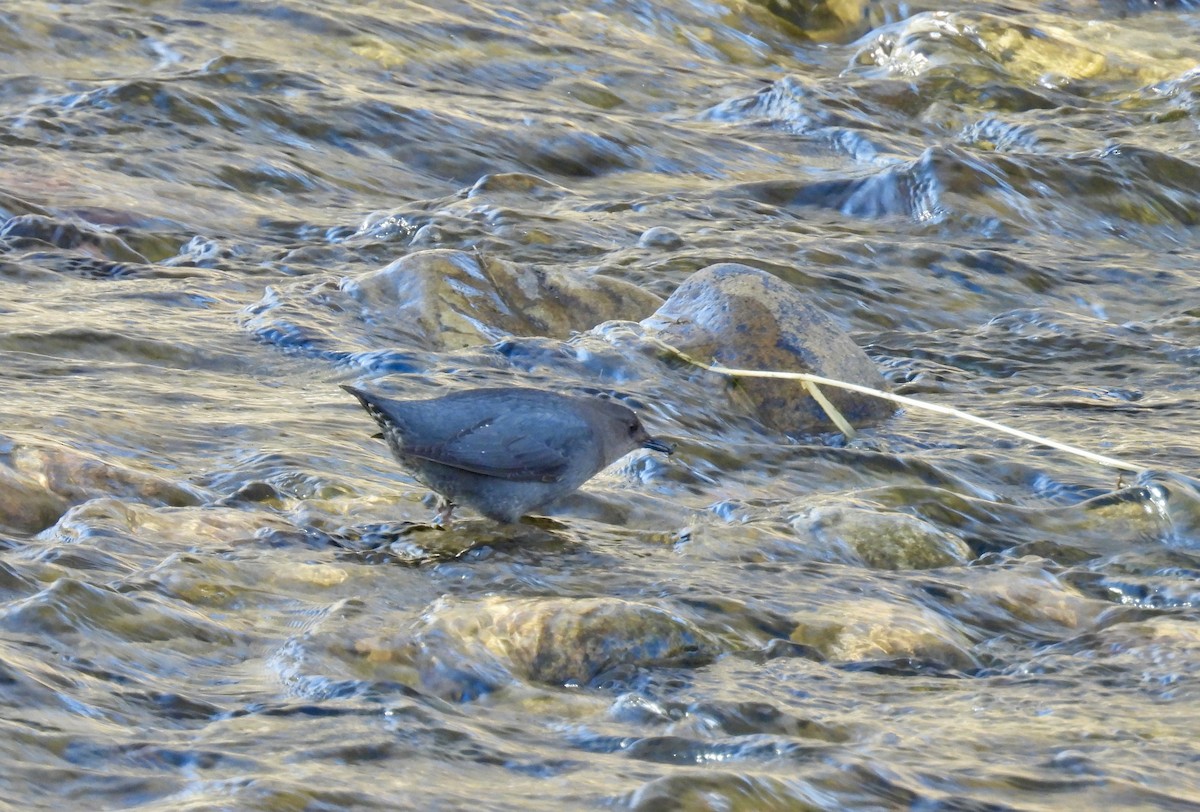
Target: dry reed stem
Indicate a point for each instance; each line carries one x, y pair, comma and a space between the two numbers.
812, 381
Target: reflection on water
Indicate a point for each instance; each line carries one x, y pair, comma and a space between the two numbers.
217, 591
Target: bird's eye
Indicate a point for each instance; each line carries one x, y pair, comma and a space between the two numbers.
633, 427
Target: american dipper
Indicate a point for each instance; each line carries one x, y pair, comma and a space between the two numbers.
505, 451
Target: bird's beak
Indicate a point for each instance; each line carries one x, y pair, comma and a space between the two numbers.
655, 444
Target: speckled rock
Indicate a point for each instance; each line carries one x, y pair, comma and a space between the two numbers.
882, 540
743, 317
442, 299
875, 629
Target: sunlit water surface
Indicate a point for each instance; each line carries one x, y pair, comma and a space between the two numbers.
210, 595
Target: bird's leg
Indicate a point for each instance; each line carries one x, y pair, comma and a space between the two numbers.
445, 511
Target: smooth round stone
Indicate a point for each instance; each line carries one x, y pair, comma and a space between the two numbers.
660, 237
517, 183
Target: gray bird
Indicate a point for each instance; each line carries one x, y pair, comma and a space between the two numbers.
506, 451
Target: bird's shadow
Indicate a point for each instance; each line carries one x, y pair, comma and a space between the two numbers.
416, 544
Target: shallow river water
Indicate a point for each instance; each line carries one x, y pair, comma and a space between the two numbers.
218, 592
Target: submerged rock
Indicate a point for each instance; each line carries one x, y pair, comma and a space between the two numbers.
168, 527
1158, 647
882, 540
560, 640
442, 299
77, 612
730, 790
973, 44
1158, 653
468, 647
822, 20
1025, 599
33, 230
26, 505
874, 629
417, 544
739, 316
77, 476
39, 482
518, 183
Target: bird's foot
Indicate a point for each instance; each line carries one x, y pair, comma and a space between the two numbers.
444, 515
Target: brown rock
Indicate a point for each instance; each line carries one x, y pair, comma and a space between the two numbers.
822, 20
1025, 597
739, 316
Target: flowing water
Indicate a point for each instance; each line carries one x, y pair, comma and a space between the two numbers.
217, 592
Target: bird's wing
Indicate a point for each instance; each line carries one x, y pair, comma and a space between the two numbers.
512, 445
